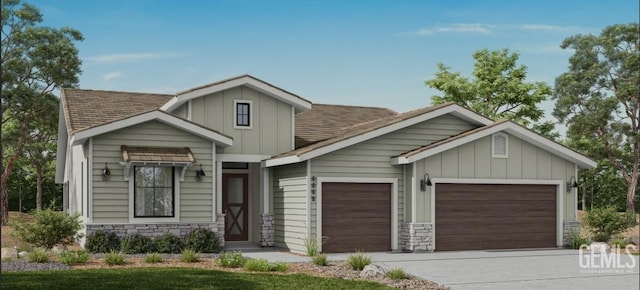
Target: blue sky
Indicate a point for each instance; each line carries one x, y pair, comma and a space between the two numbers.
373, 53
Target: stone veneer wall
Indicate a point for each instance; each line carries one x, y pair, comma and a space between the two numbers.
567, 228
416, 237
267, 230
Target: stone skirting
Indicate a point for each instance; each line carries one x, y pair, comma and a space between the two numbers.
416, 237
567, 228
267, 230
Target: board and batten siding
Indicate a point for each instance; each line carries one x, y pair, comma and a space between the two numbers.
271, 132
474, 160
290, 195
111, 198
371, 158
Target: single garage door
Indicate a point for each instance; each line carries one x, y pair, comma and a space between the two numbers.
494, 216
356, 216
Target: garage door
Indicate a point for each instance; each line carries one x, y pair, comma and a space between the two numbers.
494, 216
356, 216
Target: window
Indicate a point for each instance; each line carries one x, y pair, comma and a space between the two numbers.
154, 191
500, 147
235, 165
242, 110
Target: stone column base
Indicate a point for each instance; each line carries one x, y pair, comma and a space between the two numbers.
567, 228
220, 221
416, 237
267, 230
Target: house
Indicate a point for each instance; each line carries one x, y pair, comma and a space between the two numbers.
256, 163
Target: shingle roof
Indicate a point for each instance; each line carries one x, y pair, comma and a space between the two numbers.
157, 154
324, 121
89, 108
362, 128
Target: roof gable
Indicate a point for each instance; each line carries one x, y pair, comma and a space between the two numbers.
298, 102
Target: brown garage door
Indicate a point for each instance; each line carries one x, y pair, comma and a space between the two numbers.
495, 216
356, 216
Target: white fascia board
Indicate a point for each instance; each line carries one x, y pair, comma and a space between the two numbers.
284, 96
168, 119
61, 149
469, 116
282, 161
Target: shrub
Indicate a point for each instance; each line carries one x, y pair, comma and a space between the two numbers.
263, 265
358, 261
137, 244
230, 260
618, 242
48, 228
606, 220
396, 274
601, 238
311, 245
101, 242
576, 240
189, 256
279, 267
168, 243
73, 257
320, 260
202, 240
114, 258
153, 258
38, 255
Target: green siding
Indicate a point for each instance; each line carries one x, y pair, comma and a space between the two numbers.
474, 160
290, 206
111, 198
271, 131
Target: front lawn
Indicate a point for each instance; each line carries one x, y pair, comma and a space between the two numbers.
172, 278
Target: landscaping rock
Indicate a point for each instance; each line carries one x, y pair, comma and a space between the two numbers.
599, 247
22, 254
9, 253
57, 250
373, 270
634, 240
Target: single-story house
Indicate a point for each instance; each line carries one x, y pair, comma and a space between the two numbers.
259, 164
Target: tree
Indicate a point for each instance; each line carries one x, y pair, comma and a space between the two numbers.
497, 90
598, 98
35, 61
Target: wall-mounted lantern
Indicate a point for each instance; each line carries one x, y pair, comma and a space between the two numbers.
200, 173
573, 184
426, 181
106, 172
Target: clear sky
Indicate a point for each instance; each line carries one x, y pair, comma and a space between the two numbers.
373, 53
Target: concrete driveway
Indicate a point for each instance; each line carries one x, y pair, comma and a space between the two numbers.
522, 269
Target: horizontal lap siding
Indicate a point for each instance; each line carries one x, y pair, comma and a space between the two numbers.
371, 159
111, 198
290, 206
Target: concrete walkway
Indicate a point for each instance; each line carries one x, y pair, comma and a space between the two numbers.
522, 269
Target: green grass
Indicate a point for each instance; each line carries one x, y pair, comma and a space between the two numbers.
172, 278
153, 258
320, 260
359, 260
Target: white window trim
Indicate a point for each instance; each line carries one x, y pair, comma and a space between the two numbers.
235, 114
506, 145
559, 198
149, 220
394, 204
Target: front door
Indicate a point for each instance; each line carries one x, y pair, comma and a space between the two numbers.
235, 192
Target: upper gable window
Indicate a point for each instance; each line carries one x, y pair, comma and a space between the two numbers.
242, 114
500, 145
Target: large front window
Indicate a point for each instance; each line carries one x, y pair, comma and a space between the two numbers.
154, 191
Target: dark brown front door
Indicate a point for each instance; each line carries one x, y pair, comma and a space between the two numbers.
235, 192
495, 216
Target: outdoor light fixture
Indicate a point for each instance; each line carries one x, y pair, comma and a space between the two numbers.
573, 184
106, 172
426, 181
200, 174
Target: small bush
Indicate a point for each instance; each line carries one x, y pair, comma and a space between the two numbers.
576, 240
73, 257
601, 238
38, 255
101, 242
311, 246
358, 261
48, 228
114, 258
618, 242
606, 220
189, 256
202, 240
320, 260
137, 244
279, 267
257, 265
169, 243
396, 274
153, 258
230, 260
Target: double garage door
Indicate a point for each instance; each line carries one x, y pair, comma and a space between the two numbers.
357, 216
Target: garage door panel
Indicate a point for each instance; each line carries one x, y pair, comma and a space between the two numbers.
494, 216
367, 223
